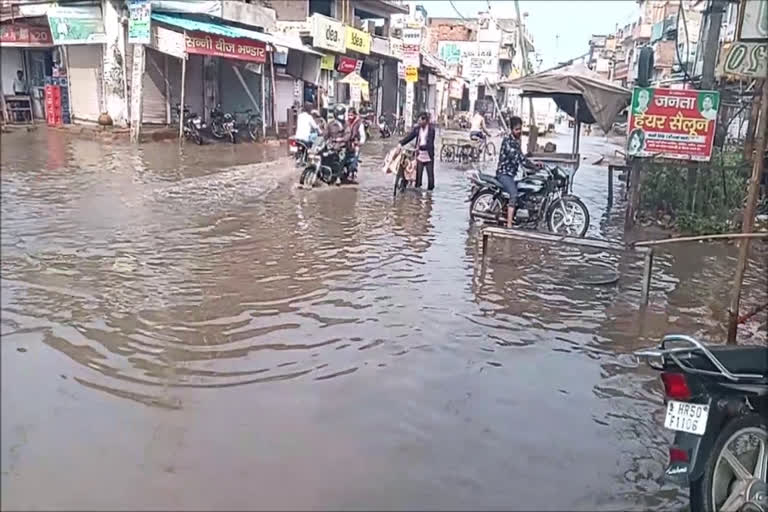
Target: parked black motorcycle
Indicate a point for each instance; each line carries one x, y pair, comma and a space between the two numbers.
383, 126
223, 124
716, 400
192, 124
325, 164
541, 196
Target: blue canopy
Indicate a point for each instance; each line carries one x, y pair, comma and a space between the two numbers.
230, 31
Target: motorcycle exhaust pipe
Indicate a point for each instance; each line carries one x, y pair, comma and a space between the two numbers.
488, 216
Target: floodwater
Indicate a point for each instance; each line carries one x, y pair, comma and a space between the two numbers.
192, 332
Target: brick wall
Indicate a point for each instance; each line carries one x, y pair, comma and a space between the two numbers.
445, 32
291, 10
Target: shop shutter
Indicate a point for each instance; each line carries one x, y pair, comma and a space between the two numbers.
85, 79
193, 94
283, 97
153, 102
233, 97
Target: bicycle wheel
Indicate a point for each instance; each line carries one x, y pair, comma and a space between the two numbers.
490, 150
399, 183
254, 127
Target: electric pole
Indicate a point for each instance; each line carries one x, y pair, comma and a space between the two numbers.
712, 44
533, 131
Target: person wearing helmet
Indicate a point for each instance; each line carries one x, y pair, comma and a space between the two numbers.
335, 129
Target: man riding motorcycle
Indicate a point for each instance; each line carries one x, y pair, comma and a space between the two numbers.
511, 157
306, 127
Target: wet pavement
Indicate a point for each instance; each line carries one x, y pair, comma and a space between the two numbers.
191, 331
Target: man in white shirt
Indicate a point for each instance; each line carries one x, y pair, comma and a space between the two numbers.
306, 127
20, 85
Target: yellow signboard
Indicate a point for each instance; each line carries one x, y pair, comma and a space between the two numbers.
358, 41
411, 74
327, 62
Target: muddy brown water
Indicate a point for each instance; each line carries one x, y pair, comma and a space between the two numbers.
190, 331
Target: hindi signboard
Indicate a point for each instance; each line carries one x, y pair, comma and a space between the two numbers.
21, 34
239, 48
672, 123
411, 74
139, 22
77, 25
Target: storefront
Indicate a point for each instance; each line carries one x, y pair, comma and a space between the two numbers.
80, 31
28, 47
225, 65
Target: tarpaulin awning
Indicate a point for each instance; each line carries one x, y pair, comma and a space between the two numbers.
230, 31
433, 62
354, 78
600, 101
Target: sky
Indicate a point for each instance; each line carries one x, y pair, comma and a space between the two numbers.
574, 21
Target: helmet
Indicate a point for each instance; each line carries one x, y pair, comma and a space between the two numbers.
339, 112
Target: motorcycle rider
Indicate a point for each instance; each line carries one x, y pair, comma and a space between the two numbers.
334, 130
511, 157
306, 127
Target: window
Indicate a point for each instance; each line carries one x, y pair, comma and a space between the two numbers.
324, 7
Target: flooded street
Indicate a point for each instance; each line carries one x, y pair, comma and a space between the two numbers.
192, 332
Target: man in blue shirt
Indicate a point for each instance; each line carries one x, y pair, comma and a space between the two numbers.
511, 157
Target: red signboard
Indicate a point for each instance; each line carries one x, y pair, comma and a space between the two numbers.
20, 34
240, 48
346, 65
672, 123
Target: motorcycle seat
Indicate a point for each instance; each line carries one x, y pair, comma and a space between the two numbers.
753, 360
489, 178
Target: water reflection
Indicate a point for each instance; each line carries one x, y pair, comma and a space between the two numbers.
274, 329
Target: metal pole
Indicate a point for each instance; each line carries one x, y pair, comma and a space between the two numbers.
610, 185
647, 271
263, 102
748, 218
524, 50
183, 87
575, 145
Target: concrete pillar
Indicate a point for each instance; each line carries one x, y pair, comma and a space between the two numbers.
114, 63
408, 109
137, 90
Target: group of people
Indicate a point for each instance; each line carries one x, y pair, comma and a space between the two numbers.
346, 131
511, 155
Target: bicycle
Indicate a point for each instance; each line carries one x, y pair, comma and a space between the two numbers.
253, 123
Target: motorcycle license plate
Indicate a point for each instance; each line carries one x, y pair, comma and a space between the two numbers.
294, 149
686, 417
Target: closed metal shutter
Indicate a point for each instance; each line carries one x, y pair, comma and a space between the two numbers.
233, 97
153, 103
85, 79
194, 93
283, 97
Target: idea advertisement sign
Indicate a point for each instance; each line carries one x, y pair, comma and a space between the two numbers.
201, 43
328, 34
672, 123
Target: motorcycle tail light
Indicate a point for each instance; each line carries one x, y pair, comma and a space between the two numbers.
676, 386
677, 455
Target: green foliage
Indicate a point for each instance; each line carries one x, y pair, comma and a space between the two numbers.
708, 204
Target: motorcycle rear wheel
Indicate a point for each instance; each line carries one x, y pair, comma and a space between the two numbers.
714, 489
